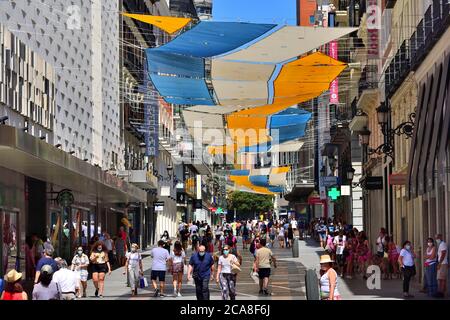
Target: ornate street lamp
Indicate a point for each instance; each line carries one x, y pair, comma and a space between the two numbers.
364, 136
350, 173
382, 114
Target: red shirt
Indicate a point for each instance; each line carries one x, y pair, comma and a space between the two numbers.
12, 296
123, 235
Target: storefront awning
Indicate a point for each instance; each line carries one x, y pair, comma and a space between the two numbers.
35, 158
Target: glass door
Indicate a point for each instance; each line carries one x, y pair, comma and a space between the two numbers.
9, 233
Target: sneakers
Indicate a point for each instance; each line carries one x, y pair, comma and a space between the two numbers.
266, 292
96, 292
156, 294
407, 295
175, 292
179, 294
261, 291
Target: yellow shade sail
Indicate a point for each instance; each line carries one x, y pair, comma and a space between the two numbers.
168, 24
245, 182
298, 81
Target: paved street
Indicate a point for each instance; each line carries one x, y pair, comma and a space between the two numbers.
287, 281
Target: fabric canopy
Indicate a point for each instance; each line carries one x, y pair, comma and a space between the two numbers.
287, 42
182, 90
210, 38
168, 24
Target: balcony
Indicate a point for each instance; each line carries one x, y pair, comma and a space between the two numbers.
398, 69
428, 31
368, 87
140, 178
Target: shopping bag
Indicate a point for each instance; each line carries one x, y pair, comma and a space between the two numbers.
143, 282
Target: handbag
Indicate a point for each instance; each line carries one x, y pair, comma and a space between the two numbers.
235, 267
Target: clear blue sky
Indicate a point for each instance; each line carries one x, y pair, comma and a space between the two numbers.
258, 11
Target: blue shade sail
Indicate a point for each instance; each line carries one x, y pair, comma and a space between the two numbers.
239, 172
210, 38
276, 189
288, 117
260, 181
289, 124
175, 64
182, 90
257, 148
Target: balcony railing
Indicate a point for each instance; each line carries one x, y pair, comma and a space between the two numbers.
369, 78
414, 50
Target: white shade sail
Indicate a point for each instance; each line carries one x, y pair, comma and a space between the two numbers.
286, 43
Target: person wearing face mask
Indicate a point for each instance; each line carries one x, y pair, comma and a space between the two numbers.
442, 266
407, 265
430, 268
225, 277
201, 269
100, 266
80, 263
134, 267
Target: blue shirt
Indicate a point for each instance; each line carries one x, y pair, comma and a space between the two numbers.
46, 260
202, 266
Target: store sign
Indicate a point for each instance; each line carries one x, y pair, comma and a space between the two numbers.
151, 116
65, 198
158, 205
330, 181
181, 197
373, 29
373, 183
333, 52
398, 179
198, 204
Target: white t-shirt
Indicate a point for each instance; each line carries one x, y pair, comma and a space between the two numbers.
177, 259
66, 279
443, 247
226, 262
381, 242
340, 248
160, 257
218, 231
133, 260
408, 260
193, 228
294, 224
281, 232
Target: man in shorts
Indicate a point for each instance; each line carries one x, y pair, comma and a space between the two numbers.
264, 258
159, 266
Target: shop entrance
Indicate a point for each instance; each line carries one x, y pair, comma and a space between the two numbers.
69, 228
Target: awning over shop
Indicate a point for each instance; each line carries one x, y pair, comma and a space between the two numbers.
40, 160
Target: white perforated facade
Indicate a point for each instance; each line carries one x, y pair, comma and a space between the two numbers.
80, 40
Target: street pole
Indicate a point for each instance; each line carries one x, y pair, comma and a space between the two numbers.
234, 214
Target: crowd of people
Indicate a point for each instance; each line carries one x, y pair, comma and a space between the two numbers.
215, 256
351, 254
55, 279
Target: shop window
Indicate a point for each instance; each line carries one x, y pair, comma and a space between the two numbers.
10, 242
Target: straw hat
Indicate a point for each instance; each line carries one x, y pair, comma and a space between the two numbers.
13, 276
325, 259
